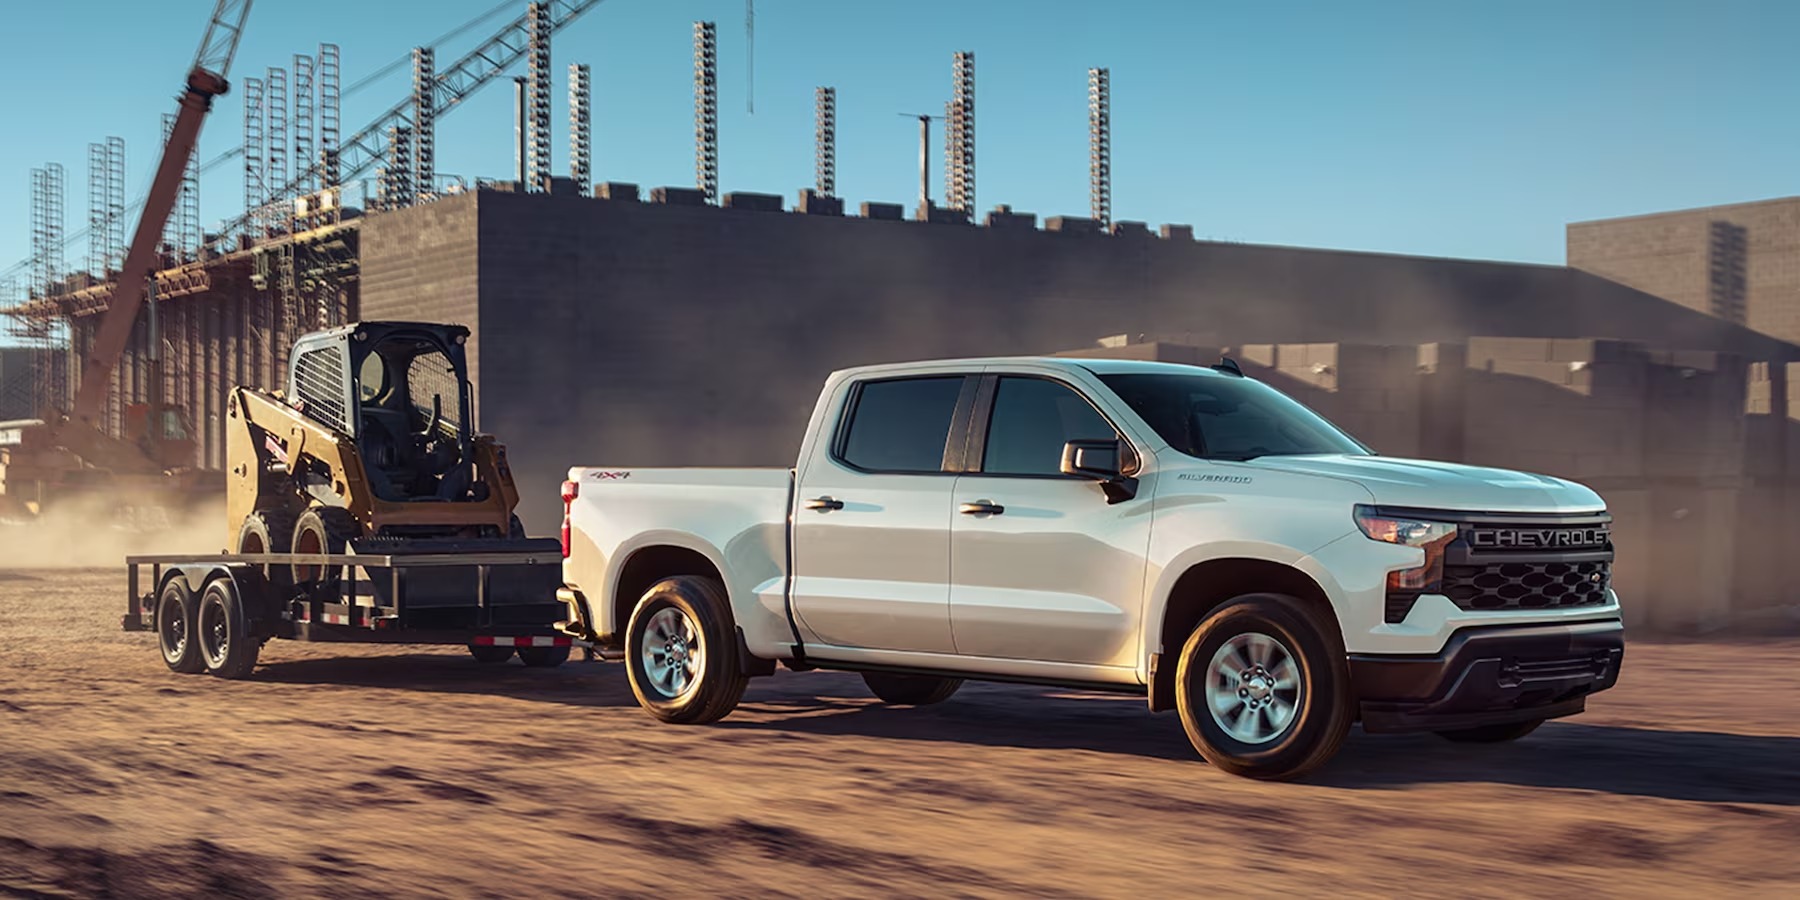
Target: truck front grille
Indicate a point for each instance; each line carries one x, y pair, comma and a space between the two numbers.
1522, 585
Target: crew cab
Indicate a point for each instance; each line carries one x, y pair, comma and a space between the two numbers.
1178, 531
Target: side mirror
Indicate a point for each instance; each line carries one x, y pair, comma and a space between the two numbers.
1105, 462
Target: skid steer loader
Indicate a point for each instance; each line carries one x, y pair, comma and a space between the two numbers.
371, 450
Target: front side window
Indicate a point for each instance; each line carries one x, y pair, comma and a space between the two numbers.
1223, 417
901, 425
1032, 419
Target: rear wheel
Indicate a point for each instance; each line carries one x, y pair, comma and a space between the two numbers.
1492, 734
910, 690
544, 657
681, 652
490, 653
269, 531
327, 530
174, 617
227, 645
1263, 688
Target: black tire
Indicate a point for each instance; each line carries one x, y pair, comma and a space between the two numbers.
544, 657
223, 631
175, 636
1491, 734
269, 531
1316, 700
323, 529
490, 654
515, 528
910, 690
709, 690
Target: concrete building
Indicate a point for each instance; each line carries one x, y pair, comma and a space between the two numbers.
611, 331
1740, 262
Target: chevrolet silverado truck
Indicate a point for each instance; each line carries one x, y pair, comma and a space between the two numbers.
1182, 532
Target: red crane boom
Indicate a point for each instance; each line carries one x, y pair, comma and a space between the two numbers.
205, 80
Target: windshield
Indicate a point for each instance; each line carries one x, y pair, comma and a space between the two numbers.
1217, 417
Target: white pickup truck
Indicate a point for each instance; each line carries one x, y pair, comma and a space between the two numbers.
1181, 532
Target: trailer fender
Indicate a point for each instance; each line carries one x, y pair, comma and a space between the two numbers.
262, 604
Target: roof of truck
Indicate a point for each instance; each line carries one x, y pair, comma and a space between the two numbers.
1097, 365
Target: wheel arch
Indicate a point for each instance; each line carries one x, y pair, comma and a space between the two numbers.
662, 556
1204, 586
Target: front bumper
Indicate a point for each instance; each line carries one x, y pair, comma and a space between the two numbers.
1487, 676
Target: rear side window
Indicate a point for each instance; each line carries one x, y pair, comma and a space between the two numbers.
1032, 419
901, 425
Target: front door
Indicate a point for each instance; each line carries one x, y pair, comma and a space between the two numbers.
1057, 573
872, 519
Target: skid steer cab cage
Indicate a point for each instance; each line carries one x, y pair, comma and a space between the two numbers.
501, 598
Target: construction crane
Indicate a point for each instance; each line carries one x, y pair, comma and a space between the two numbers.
73, 449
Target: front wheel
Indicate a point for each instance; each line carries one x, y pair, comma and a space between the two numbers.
1492, 734
681, 652
1263, 688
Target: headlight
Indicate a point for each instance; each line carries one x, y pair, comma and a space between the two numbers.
1409, 532
1405, 585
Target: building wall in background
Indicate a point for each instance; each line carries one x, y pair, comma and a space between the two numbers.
1692, 257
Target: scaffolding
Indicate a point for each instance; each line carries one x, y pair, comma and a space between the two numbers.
99, 256
181, 234
46, 229
825, 141
305, 102
395, 180
959, 136
255, 188
424, 148
706, 110
1100, 146
537, 73
581, 148
330, 95
276, 109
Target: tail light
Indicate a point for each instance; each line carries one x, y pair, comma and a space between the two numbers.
570, 490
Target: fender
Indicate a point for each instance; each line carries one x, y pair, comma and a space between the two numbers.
622, 554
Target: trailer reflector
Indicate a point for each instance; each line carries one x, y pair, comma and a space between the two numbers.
489, 640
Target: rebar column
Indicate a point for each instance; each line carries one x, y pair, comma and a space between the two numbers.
706, 110
276, 104
825, 141
424, 151
581, 150
1100, 146
538, 75
959, 136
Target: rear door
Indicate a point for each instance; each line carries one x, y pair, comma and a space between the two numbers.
1057, 574
872, 518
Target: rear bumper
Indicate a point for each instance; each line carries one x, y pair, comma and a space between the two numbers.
1490, 676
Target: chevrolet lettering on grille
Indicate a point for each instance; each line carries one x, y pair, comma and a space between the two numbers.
1538, 538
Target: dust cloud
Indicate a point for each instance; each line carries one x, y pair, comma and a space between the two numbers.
85, 535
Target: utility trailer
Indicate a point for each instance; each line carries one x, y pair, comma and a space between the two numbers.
214, 613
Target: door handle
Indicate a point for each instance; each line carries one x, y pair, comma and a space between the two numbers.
823, 504
981, 507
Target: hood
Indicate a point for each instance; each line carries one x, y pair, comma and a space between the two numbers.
1441, 485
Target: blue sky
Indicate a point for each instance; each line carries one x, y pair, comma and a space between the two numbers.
1438, 128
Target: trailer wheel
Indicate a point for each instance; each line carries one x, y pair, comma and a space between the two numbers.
1263, 688
544, 657
269, 531
490, 653
175, 637
227, 645
323, 529
681, 652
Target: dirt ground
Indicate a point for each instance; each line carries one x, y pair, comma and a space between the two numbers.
415, 771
